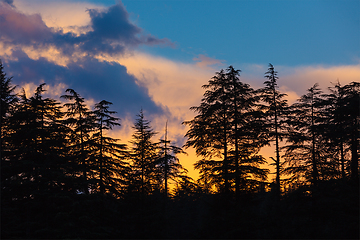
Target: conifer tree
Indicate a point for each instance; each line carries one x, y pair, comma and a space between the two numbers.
352, 125
143, 156
8, 105
334, 131
305, 149
209, 132
38, 139
227, 127
275, 110
82, 122
7, 95
109, 155
248, 133
168, 163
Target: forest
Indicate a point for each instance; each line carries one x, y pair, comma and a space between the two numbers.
63, 176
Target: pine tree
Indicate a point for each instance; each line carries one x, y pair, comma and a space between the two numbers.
8, 105
352, 125
248, 133
334, 131
168, 163
37, 142
209, 133
7, 95
81, 120
275, 110
143, 156
109, 156
227, 127
304, 153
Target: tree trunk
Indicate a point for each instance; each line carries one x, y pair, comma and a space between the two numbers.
102, 190
277, 179
354, 158
314, 164
166, 164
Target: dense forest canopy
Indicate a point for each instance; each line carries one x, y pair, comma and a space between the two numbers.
52, 150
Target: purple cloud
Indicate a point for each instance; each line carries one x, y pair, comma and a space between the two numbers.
111, 33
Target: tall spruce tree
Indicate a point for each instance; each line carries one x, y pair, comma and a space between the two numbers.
143, 156
352, 125
209, 132
275, 110
7, 107
334, 131
248, 133
82, 122
168, 163
305, 149
108, 155
224, 134
37, 142
7, 95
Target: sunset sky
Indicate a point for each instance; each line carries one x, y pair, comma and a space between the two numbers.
156, 55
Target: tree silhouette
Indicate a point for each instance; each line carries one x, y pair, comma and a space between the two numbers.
108, 154
303, 154
352, 113
143, 156
209, 132
38, 138
275, 110
49, 156
228, 125
248, 133
81, 120
167, 162
334, 131
7, 108
7, 95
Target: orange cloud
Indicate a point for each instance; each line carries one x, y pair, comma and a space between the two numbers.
299, 79
66, 15
206, 62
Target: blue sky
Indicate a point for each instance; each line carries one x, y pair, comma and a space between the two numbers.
156, 55
283, 32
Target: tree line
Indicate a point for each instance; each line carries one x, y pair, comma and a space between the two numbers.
63, 176
47, 148
320, 134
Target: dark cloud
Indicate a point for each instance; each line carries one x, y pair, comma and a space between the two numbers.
18, 28
90, 78
111, 33
9, 2
114, 24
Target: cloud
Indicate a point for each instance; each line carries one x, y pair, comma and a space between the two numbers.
68, 16
19, 28
91, 78
206, 62
295, 81
9, 2
36, 53
109, 31
113, 23
299, 79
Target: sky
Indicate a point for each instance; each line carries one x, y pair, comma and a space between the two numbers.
156, 55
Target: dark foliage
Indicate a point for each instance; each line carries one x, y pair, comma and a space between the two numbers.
334, 215
63, 177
